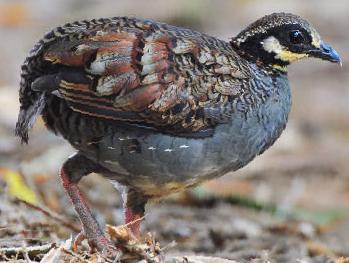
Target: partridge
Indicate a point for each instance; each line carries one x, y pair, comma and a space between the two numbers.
158, 108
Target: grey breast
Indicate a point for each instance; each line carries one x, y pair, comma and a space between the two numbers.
155, 158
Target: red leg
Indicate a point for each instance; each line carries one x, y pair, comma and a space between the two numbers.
134, 210
133, 221
91, 229
71, 172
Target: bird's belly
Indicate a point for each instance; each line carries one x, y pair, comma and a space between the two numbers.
162, 163
156, 162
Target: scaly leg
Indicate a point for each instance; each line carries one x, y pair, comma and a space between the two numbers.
134, 211
133, 221
72, 171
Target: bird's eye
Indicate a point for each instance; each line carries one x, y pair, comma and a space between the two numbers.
296, 37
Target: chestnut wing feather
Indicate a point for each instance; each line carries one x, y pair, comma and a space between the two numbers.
142, 72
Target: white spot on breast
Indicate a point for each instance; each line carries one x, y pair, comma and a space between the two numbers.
111, 148
72, 155
168, 150
151, 148
92, 142
183, 146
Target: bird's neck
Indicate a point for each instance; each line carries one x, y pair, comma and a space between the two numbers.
268, 82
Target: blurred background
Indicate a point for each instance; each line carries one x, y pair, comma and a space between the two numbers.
290, 203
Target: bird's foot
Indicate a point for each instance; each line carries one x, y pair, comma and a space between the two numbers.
99, 243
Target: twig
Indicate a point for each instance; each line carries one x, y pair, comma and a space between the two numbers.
72, 254
18, 239
135, 221
32, 251
7, 228
51, 214
170, 245
26, 257
25, 253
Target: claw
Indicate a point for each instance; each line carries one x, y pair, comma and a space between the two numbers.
77, 241
91, 230
100, 243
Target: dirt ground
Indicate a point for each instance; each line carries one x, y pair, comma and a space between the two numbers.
289, 205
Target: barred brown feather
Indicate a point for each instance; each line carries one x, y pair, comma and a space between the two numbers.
105, 68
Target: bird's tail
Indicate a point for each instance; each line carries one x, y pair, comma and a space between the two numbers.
27, 117
31, 102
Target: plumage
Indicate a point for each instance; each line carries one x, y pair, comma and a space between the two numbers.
159, 108
129, 67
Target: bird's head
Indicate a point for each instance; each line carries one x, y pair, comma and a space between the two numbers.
278, 39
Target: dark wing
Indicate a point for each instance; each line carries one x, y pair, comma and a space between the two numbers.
136, 71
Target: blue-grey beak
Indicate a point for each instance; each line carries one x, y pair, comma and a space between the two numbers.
326, 52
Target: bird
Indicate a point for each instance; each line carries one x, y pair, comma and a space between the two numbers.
156, 108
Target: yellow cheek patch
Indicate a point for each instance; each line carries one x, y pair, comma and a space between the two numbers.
271, 44
289, 56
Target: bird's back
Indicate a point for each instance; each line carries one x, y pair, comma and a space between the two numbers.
132, 70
